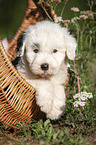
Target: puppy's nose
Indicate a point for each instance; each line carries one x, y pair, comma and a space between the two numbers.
44, 66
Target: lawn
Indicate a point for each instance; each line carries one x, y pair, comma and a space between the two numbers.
78, 125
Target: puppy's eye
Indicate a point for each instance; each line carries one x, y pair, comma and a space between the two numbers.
36, 50
55, 50
36, 47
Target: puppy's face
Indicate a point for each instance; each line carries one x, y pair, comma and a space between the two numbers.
45, 45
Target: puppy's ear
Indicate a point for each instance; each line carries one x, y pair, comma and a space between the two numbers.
20, 50
70, 44
20, 45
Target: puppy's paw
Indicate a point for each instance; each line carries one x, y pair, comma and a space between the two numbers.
55, 113
45, 105
44, 98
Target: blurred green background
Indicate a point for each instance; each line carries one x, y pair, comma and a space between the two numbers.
12, 14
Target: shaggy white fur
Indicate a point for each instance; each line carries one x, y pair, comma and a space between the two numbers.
5, 44
45, 48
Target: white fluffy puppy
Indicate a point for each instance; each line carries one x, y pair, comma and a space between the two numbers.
43, 64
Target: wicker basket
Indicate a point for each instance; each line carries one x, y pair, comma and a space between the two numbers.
17, 99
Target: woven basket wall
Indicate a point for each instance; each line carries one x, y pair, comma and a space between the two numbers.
17, 99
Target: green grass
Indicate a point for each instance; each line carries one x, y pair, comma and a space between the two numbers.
78, 123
